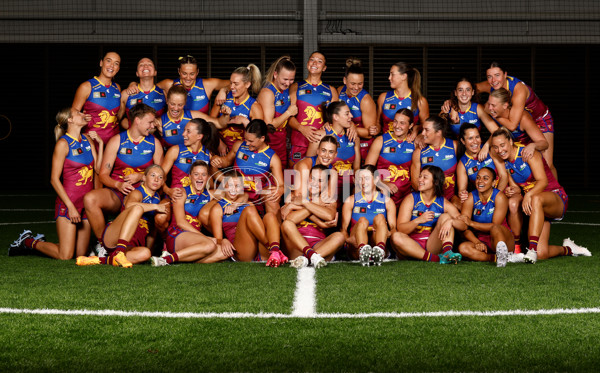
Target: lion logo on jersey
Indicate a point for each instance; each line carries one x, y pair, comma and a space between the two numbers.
144, 225
311, 115
228, 133
342, 167
449, 182
193, 221
86, 174
397, 173
106, 118
185, 181
249, 184
128, 171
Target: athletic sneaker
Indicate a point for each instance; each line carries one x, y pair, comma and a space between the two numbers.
516, 258
120, 260
165, 254
274, 259
17, 248
364, 255
501, 254
87, 260
40, 237
377, 254
22, 237
101, 250
158, 261
450, 257
576, 249
317, 261
299, 262
530, 257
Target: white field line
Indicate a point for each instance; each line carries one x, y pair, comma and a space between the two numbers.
29, 222
26, 195
575, 223
260, 315
32, 210
305, 297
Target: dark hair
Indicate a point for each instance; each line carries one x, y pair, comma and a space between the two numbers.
353, 66
407, 112
414, 82
329, 109
330, 139
231, 173
439, 124
491, 170
199, 163
454, 99
140, 110
319, 167
503, 131
283, 62
177, 90
321, 53
187, 60
461, 135
497, 64
259, 128
438, 178
210, 135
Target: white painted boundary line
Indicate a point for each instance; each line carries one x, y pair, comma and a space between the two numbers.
573, 223
27, 210
305, 297
29, 222
260, 315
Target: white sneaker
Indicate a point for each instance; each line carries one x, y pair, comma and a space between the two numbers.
377, 254
364, 255
576, 249
299, 262
22, 237
530, 257
501, 254
101, 251
516, 258
317, 261
164, 254
158, 261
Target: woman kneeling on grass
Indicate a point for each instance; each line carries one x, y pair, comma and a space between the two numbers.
426, 221
484, 211
185, 242
130, 235
371, 214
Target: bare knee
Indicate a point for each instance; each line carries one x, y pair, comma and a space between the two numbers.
362, 223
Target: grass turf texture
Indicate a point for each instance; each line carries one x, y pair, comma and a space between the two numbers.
501, 343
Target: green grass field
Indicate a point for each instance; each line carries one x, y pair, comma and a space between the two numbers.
216, 337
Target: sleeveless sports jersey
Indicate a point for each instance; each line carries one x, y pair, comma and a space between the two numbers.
278, 140
522, 175
533, 104
395, 159
344, 159
392, 104
193, 204
155, 98
183, 163
419, 208
148, 197
255, 167
235, 132
197, 98
444, 158
309, 100
469, 116
472, 165
172, 129
78, 169
230, 221
483, 211
368, 209
353, 103
132, 157
103, 104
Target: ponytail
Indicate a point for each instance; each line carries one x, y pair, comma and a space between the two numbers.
62, 122
250, 73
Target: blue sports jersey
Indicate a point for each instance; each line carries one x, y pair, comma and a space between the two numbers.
103, 104
469, 116
133, 157
309, 100
368, 209
483, 211
419, 208
255, 167
193, 204
235, 217
392, 104
197, 98
444, 158
149, 197
354, 104
172, 129
472, 165
346, 153
282, 101
155, 98
234, 133
183, 163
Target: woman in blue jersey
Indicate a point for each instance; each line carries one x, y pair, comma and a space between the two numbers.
405, 82
148, 93
275, 101
235, 224
426, 221
439, 151
544, 198
523, 99
240, 107
392, 153
263, 180
172, 123
462, 108
308, 96
73, 164
470, 162
361, 104
346, 163
130, 236
371, 217
326, 153
488, 238
185, 242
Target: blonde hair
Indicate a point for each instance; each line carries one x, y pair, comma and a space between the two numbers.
283, 62
503, 95
250, 73
62, 122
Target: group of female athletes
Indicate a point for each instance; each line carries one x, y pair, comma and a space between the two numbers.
278, 169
